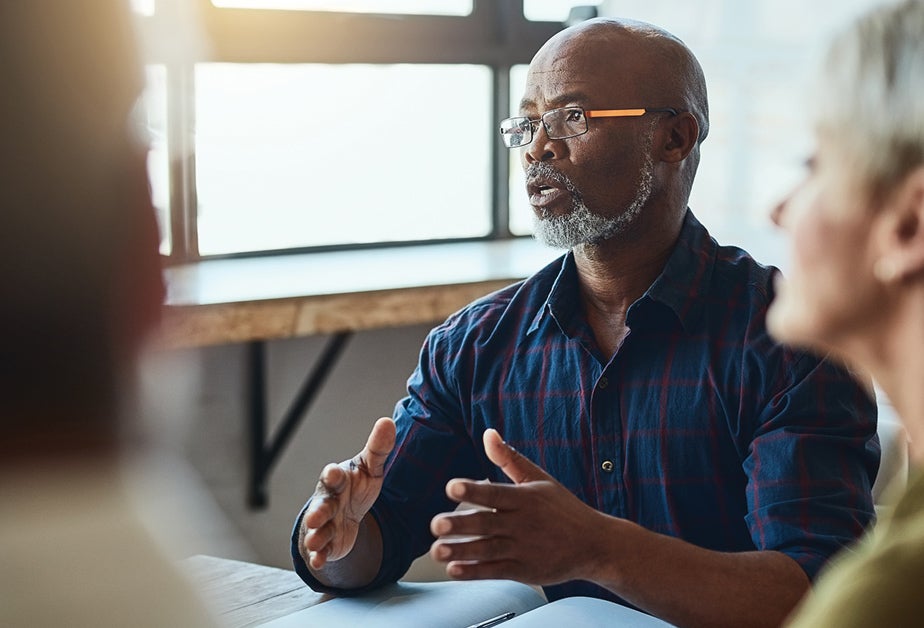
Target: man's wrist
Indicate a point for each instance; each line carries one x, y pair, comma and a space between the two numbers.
611, 550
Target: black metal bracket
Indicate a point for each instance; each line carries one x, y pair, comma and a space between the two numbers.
265, 450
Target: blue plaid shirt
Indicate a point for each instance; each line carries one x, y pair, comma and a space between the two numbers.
700, 426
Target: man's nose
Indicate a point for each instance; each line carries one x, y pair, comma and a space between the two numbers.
542, 148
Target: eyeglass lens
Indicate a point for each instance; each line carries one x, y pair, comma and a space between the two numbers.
558, 123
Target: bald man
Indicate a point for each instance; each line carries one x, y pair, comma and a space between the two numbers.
645, 440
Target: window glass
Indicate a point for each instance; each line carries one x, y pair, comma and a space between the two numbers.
304, 155
521, 214
414, 7
552, 10
144, 7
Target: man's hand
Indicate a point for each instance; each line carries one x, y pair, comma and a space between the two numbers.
344, 494
534, 531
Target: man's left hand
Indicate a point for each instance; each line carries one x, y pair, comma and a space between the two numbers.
534, 530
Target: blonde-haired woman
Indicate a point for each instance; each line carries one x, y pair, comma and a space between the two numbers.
855, 285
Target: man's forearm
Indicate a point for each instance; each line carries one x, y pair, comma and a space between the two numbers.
691, 586
356, 569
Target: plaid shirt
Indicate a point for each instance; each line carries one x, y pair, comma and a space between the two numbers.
699, 427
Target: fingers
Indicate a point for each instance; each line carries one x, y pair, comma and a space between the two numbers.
487, 570
487, 548
324, 502
379, 444
465, 522
318, 528
516, 466
317, 539
317, 560
487, 495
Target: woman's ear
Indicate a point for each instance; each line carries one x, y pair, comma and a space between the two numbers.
683, 133
902, 255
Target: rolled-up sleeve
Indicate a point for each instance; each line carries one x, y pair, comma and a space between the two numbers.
812, 463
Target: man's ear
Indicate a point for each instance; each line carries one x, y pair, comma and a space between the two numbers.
903, 250
682, 135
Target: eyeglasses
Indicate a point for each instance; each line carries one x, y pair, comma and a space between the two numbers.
563, 123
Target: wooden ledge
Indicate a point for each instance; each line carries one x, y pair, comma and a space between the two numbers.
239, 300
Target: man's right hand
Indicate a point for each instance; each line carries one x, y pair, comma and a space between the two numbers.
344, 494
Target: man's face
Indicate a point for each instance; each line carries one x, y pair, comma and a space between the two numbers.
588, 188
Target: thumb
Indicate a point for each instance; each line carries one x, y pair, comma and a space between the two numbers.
379, 444
514, 464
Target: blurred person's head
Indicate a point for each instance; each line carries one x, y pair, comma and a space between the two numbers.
857, 220
79, 267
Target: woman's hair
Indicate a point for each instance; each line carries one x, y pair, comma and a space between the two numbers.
870, 96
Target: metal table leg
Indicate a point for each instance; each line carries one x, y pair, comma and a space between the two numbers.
266, 449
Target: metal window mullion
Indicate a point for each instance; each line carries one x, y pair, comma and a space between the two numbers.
500, 167
181, 148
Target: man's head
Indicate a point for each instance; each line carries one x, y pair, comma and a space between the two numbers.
78, 242
590, 187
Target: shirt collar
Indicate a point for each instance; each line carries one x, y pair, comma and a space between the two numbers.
561, 299
689, 267
681, 285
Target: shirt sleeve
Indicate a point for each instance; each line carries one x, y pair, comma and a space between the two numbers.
433, 445
301, 568
812, 462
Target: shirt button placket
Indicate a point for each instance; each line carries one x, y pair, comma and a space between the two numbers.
607, 424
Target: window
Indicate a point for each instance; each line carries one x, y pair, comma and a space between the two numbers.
419, 7
323, 124
295, 156
311, 124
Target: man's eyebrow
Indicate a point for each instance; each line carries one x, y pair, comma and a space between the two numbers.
558, 101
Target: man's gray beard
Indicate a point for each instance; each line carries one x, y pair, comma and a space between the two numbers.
581, 225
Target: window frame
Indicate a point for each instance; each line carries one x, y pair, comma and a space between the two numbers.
496, 34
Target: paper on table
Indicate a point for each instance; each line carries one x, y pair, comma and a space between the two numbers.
586, 612
419, 604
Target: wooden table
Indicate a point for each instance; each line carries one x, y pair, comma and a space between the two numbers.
245, 594
253, 300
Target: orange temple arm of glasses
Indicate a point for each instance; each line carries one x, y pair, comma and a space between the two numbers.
614, 113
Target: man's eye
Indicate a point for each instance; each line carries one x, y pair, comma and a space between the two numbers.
574, 115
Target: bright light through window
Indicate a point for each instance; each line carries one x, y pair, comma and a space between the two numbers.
144, 7
551, 10
307, 155
155, 120
413, 7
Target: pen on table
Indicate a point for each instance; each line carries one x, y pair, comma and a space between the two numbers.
494, 620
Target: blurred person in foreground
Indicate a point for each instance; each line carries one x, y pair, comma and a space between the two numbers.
669, 455
82, 287
855, 286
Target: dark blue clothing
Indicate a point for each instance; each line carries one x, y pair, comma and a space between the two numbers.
699, 427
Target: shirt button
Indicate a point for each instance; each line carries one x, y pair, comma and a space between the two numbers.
607, 466
603, 382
